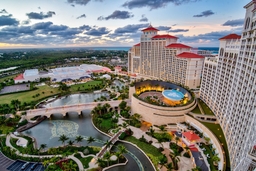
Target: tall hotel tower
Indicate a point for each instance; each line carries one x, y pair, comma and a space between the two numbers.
161, 57
229, 89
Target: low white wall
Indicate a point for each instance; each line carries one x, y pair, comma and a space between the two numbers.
159, 115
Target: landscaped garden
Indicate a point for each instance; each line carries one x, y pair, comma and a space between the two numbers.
196, 110
206, 109
217, 131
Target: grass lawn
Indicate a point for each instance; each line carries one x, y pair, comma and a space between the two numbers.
196, 110
5, 129
85, 160
84, 86
216, 129
27, 96
205, 108
150, 150
106, 124
8, 77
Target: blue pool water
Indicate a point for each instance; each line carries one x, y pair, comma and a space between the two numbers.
174, 95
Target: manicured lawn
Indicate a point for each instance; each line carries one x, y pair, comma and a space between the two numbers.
206, 109
5, 129
8, 77
85, 160
44, 91
196, 110
216, 129
85, 86
150, 150
106, 124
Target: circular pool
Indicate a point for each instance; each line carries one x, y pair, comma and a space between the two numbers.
173, 95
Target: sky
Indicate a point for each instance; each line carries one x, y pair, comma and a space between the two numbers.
108, 23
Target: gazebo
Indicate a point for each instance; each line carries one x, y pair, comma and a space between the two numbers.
190, 138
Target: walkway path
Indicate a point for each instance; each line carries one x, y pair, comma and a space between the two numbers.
78, 162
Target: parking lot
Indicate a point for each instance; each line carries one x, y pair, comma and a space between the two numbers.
17, 166
15, 88
5, 162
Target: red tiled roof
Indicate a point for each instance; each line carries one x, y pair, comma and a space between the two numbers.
189, 55
137, 44
177, 45
19, 77
150, 28
231, 36
164, 36
191, 136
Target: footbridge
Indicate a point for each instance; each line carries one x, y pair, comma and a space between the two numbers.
78, 108
107, 147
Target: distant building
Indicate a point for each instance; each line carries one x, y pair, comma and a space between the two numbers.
161, 57
28, 75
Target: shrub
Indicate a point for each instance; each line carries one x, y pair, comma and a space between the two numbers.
186, 154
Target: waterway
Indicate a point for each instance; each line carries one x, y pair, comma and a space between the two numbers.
76, 99
49, 131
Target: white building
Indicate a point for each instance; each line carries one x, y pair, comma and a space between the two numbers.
161, 57
28, 75
231, 93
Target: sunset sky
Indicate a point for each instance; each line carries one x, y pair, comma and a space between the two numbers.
98, 23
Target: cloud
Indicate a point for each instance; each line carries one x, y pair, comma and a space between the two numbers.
179, 30
117, 15
234, 23
174, 24
163, 28
39, 7
3, 11
143, 18
25, 22
72, 5
41, 15
131, 28
204, 14
7, 21
153, 4
81, 16
98, 31
85, 27
211, 36
81, 2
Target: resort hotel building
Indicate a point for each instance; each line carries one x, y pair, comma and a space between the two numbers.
62, 74
161, 57
228, 88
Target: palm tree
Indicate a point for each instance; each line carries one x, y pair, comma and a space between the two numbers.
100, 162
79, 139
108, 144
162, 128
90, 140
107, 156
63, 138
42, 147
70, 142
162, 160
151, 131
169, 167
121, 149
177, 139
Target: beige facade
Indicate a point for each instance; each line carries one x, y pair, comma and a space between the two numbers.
231, 92
161, 57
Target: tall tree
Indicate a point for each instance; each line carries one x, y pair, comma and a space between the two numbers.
79, 139
63, 138
90, 140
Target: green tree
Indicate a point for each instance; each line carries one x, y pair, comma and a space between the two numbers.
71, 143
107, 156
90, 140
122, 105
162, 160
79, 139
169, 167
63, 138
